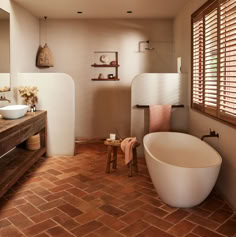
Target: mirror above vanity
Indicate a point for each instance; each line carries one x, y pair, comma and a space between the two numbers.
5, 81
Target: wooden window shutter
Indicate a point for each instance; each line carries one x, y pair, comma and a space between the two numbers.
228, 61
214, 60
197, 62
210, 59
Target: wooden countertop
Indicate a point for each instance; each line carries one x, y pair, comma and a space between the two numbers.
7, 124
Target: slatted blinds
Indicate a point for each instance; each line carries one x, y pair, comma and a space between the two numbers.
214, 60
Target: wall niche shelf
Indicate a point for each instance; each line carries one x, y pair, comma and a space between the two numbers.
109, 61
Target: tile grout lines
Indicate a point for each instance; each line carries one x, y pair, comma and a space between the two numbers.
73, 196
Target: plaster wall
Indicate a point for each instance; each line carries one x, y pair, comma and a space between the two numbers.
102, 107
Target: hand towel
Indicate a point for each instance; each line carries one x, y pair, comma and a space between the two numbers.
127, 146
159, 118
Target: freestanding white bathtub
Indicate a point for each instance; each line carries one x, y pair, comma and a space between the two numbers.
183, 168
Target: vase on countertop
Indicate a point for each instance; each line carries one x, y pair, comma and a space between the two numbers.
31, 107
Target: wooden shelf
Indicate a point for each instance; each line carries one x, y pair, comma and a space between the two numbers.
104, 65
14, 164
105, 79
15, 160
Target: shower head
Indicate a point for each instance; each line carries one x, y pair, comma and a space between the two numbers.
149, 45
148, 48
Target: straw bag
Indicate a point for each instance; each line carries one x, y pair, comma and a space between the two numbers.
44, 57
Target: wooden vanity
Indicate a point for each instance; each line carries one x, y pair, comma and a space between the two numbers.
14, 133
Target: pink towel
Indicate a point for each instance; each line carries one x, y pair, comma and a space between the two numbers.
159, 118
127, 146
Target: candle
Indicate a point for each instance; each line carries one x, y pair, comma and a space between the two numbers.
112, 136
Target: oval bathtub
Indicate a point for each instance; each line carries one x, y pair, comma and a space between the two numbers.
183, 168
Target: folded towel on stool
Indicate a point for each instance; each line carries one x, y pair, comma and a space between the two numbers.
159, 118
127, 146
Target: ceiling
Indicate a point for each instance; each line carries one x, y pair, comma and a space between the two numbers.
67, 9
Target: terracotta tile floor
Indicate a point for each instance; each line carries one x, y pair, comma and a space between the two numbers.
67, 197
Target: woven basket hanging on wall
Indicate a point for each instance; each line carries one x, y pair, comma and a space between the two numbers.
44, 55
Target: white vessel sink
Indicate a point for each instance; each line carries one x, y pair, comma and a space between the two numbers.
13, 111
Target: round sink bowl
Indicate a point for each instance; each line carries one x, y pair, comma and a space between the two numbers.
13, 111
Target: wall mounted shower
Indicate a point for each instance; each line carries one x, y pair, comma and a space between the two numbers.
148, 45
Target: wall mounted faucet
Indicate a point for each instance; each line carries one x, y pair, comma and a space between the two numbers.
211, 134
3, 98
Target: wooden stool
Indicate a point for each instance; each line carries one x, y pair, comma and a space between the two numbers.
112, 153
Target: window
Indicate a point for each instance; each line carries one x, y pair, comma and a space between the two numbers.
214, 60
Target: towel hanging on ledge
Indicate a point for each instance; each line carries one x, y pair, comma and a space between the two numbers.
159, 118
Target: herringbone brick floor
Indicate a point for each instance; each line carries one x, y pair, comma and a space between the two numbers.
67, 197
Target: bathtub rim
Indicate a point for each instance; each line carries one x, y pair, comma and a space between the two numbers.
186, 134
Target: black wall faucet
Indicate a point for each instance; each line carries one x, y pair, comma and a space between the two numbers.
212, 134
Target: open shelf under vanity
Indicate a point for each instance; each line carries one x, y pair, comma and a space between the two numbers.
15, 158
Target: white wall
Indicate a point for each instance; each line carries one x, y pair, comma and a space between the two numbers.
24, 31
200, 124
157, 88
102, 107
4, 80
55, 90
59, 101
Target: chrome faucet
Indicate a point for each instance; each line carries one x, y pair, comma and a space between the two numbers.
212, 134
3, 98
